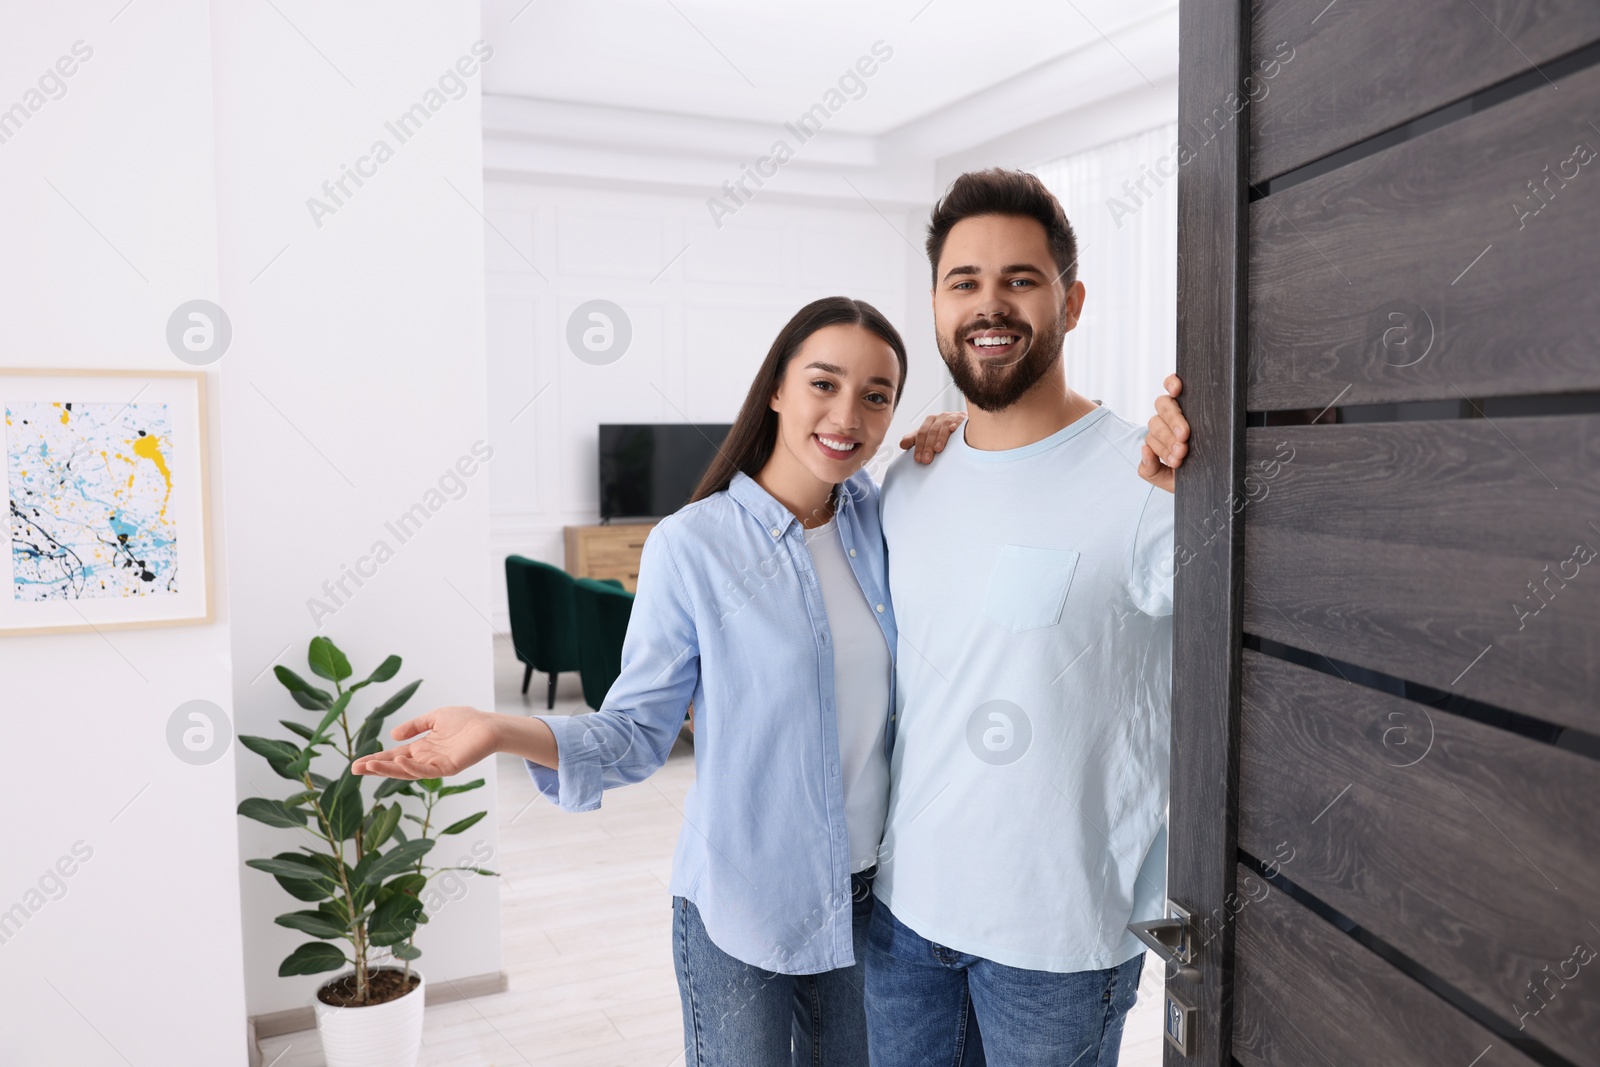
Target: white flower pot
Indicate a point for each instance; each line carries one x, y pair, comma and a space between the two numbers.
377, 1035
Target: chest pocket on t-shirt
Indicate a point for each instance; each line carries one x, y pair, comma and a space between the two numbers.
1029, 586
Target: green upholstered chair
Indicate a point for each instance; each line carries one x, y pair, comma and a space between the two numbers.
544, 631
602, 610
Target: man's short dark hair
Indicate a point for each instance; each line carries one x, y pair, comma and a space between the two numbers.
1004, 192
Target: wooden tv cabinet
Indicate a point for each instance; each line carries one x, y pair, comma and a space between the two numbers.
606, 551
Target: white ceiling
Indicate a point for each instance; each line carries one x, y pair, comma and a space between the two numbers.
770, 61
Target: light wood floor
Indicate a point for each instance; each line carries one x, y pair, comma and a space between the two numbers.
586, 923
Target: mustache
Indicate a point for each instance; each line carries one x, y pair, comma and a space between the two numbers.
980, 325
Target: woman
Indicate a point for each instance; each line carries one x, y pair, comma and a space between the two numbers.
765, 601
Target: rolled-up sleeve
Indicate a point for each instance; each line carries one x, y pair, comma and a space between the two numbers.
629, 738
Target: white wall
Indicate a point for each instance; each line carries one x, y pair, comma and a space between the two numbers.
701, 325
355, 382
145, 940
177, 165
1122, 198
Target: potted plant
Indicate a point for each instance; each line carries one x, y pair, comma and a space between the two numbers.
357, 866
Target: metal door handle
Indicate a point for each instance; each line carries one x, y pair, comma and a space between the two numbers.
1172, 939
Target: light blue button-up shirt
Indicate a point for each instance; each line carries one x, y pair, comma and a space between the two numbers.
729, 612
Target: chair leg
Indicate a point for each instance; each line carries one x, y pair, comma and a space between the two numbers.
525, 676
551, 702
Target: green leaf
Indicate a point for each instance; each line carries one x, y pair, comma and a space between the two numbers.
310, 701
300, 798
368, 822
288, 865
395, 701
452, 790
331, 717
312, 958
481, 870
311, 892
305, 694
457, 827
382, 826
281, 755
386, 670
301, 888
301, 763
375, 867
319, 780
406, 952
368, 747
410, 882
336, 873
315, 923
374, 721
394, 920
271, 812
294, 727
270, 747
327, 661
394, 785
432, 785
331, 866
341, 805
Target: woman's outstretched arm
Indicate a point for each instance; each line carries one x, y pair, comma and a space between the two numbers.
454, 738
575, 758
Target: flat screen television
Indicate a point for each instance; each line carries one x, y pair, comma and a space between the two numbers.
647, 471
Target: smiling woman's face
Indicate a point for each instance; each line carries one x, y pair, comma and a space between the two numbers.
836, 400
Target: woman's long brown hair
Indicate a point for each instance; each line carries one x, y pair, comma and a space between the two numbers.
750, 442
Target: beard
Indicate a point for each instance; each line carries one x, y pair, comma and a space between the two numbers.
995, 387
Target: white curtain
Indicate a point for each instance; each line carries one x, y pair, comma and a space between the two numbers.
1122, 201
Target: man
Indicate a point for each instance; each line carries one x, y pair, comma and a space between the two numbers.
1031, 573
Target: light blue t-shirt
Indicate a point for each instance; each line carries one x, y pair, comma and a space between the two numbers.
1032, 592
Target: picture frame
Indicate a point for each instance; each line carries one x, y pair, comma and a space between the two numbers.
109, 511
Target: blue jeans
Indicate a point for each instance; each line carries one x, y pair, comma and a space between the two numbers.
736, 1015
925, 1001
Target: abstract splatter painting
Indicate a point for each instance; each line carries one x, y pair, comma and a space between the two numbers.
92, 512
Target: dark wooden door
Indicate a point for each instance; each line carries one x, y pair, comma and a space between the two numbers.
1386, 705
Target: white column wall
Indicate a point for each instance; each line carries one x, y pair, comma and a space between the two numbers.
176, 164
110, 224
355, 385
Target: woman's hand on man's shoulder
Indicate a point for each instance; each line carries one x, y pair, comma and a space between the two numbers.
929, 438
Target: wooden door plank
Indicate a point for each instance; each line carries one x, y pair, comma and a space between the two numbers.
1471, 850
1310, 996
1409, 548
1206, 594
1360, 67
1431, 270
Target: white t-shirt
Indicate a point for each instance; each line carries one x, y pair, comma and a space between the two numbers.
1033, 593
861, 693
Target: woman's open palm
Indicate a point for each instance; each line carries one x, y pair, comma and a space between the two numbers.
454, 738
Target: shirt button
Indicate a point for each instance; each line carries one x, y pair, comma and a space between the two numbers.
852, 551
880, 609
774, 531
